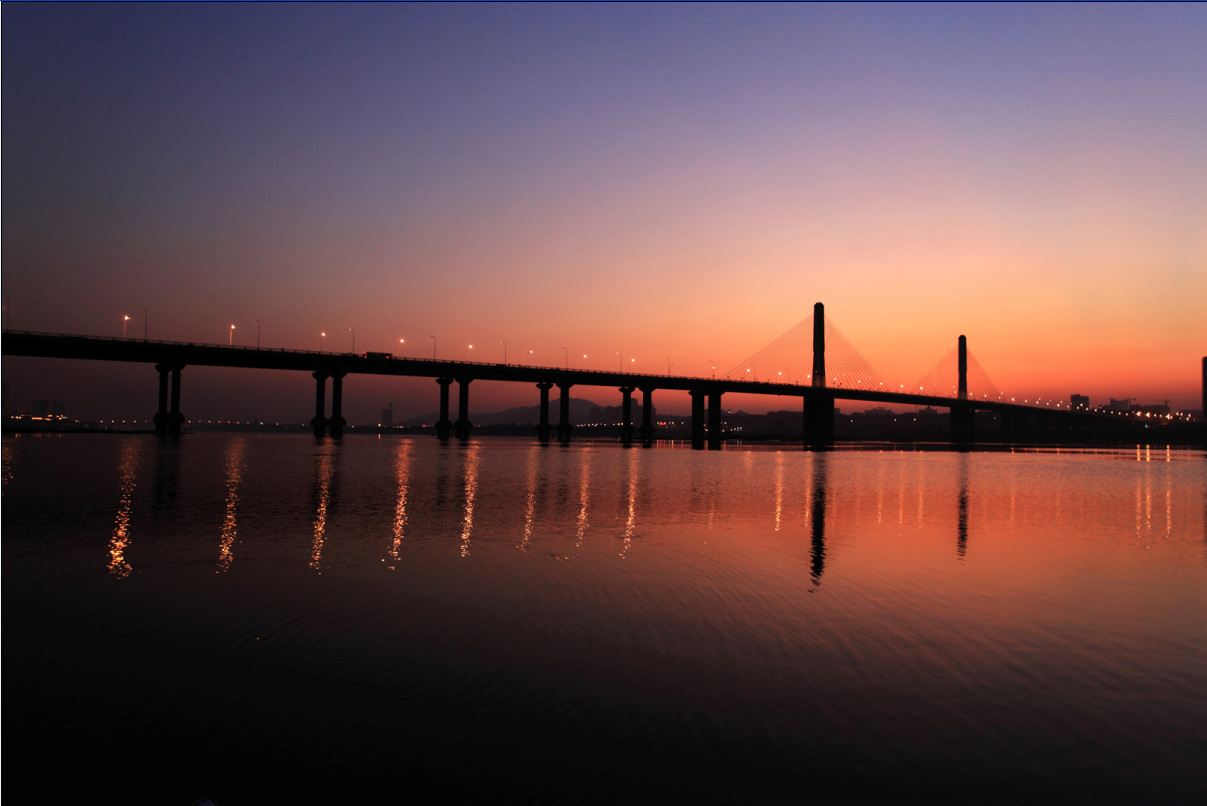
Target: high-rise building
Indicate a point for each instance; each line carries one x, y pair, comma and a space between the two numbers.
387, 416
1079, 402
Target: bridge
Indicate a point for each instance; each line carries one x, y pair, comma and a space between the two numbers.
844, 376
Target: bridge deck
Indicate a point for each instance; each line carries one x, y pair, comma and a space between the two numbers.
100, 348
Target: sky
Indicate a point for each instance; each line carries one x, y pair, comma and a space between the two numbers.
654, 184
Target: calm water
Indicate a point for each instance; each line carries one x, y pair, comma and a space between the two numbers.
249, 618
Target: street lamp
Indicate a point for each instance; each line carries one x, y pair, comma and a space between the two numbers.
401, 342
619, 363
582, 363
125, 319
321, 337
144, 324
433, 348
230, 341
567, 352
353, 339
467, 349
257, 334
668, 366
530, 358
504, 352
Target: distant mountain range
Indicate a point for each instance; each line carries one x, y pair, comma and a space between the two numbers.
580, 412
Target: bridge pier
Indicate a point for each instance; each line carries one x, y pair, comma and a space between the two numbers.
697, 419
647, 416
336, 421
626, 408
543, 428
818, 421
161, 416
715, 435
175, 418
963, 424
464, 426
563, 425
1007, 426
443, 426
319, 423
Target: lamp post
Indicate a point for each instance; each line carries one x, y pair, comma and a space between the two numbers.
467, 349
353, 339
567, 352
582, 363
230, 341
668, 366
619, 362
401, 342
321, 337
504, 352
144, 324
530, 358
125, 320
257, 334
433, 348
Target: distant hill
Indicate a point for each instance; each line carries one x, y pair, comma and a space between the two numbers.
580, 412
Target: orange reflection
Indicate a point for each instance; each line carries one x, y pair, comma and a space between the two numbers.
779, 489
471, 493
402, 472
631, 520
234, 475
324, 470
530, 501
584, 497
9, 452
128, 472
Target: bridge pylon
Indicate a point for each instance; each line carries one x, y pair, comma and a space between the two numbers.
963, 415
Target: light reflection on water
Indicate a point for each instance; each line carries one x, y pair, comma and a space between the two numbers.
998, 608
127, 471
325, 465
234, 474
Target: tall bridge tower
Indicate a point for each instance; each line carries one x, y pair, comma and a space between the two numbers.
819, 406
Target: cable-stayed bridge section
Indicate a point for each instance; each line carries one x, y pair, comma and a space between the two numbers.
812, 361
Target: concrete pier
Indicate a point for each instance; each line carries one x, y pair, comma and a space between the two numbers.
564, 427
443, 425
626, 408
819, 421
543, 428
716, 433
697, 418
464, 426
161, 415
336, 421
647, 416
319, 423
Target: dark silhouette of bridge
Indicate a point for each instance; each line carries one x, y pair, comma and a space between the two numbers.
844, 376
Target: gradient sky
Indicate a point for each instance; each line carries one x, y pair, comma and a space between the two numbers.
681, 181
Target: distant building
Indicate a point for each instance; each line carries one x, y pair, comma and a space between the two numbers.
1079, 402
40, 408
387, 416
58, 408
1120, 405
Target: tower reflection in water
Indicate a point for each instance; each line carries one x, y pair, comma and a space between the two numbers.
962, 506
817, 516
